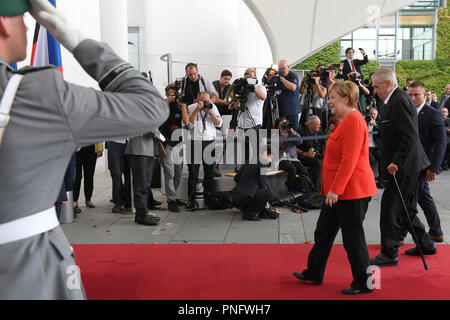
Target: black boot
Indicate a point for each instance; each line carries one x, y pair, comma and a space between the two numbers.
143, 218
190, 205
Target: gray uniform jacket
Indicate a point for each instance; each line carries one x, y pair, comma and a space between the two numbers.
143, 145
51, 118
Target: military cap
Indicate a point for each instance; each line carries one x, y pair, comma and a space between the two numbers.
12, 8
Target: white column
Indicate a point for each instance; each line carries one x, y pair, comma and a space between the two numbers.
114, 25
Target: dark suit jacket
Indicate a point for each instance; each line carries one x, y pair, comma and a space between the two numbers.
432, 135
249, 179
348, 68
447, 103
399, 136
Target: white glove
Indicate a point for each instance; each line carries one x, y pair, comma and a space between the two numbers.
55, 23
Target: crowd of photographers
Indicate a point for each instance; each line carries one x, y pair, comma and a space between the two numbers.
206, 108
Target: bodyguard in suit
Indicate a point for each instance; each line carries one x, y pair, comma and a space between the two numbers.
142, 151
352, 65
445, 102
434, 141
402, 154
49, 119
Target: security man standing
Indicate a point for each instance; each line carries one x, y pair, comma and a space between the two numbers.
48, 120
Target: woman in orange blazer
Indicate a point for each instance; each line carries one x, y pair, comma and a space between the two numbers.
348, 184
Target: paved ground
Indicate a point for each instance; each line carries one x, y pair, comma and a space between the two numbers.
99, 225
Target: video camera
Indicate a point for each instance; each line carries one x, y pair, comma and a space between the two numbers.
322, 73
242, 87
271, 78
179, 91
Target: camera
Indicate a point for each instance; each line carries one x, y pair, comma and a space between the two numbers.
271, 78
179, 91
353, 77
286, 125
207, 105
242, 87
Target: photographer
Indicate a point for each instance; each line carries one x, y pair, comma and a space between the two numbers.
289, 98
289, 140
193, 83
310, 152
222, 85
350, 64
204, 118
356, 78
254, 102
172, 172
373, 123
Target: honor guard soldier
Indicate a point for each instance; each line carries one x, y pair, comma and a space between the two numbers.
43, 120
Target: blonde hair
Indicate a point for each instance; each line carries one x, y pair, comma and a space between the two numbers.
251, 70
347, 89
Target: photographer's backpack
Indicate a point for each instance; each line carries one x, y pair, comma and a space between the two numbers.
313, 200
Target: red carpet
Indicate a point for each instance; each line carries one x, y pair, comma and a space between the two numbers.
246, 272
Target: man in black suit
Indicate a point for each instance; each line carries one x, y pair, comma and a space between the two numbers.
352, 65
445, 102
402, 154
434, 141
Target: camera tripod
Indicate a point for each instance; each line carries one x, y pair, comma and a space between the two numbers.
308, 109
270, 110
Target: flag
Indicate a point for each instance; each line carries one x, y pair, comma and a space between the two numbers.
46, 50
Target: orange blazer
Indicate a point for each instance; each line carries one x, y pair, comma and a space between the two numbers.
346, 169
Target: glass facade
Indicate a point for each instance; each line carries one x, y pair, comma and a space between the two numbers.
409, 34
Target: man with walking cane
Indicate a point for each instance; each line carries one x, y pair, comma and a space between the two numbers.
403, 158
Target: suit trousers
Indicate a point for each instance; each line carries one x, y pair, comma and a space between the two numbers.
85, 162
142, 170
375, 157
194, 168
347, 215
393, 217
316, 167
172, 174
251, 206
292, 168
119, 165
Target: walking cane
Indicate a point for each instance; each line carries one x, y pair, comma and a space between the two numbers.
413, 233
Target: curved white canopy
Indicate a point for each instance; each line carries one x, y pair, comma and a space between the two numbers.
295, 29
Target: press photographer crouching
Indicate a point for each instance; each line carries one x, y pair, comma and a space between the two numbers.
252, 195
204, 118
172, 172
289, 141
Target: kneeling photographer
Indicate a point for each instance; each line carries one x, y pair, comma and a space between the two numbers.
289, 141
252, 195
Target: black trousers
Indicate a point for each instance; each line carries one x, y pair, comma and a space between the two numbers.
375, 157
316, 167
292, 168
86, 160
393, 217
142, 170
347, 215
251, 206
194, 168
119, 165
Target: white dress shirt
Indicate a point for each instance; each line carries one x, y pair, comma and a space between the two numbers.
206, 132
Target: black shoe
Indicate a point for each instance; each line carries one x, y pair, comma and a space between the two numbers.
190, 205
180, 203
172, 206
143, 218
127, 210
382, 261
415, 251
353, 291
303, 277
117, 209
155, 203
250, 218
436, 238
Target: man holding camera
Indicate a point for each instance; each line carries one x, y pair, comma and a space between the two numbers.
193, 83
352, 65
289, 98
356, 78
310, 152
172, 172
204, 118
373, 124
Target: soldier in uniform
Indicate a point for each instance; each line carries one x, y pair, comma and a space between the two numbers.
49, 119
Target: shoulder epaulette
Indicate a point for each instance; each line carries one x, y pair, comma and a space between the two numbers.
26, 70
